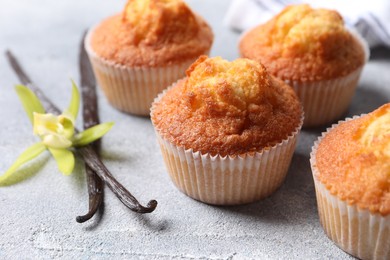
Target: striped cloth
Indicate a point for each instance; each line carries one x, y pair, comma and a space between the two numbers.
370, 17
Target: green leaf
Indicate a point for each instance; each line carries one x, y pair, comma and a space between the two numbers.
29, 154
73, 108
64, 159
29, 101
92, 134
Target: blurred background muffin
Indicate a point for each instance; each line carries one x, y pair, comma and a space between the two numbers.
311, 50
351, 171
227, 131
144, 49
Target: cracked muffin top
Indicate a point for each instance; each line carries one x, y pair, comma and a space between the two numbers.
304, 44
227, 108
152, 33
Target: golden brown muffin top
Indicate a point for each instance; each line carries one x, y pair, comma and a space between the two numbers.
353, 161
227, 108
152, 33
304, 44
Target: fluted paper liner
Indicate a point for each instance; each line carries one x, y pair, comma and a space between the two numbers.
326, 101
133, 89
228, 180
357, 231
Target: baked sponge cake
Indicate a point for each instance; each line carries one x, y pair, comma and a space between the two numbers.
351, 170
227, 131
313, 51
144, 49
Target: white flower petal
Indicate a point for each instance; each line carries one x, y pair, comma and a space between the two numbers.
45, 123
56, 141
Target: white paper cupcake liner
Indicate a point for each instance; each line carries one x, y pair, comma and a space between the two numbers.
357, 231
326, 101
133, 89
228, 180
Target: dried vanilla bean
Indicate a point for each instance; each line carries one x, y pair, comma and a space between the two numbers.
90, 118
89, 155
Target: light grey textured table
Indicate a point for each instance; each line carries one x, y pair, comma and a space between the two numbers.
37, 216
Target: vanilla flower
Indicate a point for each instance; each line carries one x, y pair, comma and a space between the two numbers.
57, 133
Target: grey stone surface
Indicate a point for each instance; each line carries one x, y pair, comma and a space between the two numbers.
37, 216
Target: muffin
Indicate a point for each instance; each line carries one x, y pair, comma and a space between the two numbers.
312, 51
351, 171
227, 131
141, 51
